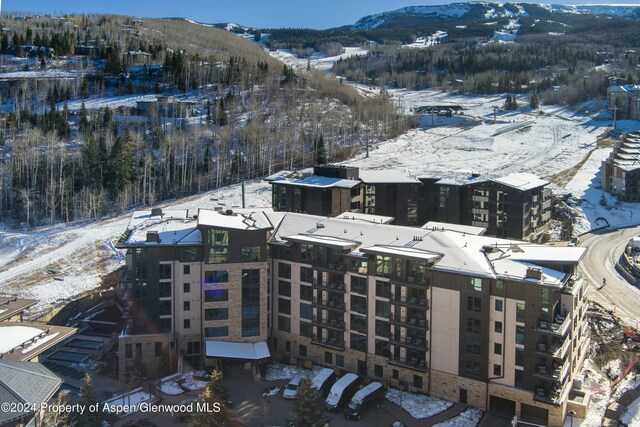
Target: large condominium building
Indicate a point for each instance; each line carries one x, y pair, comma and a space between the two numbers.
623, 99
517, 206
195, 285
620, 172
497, 324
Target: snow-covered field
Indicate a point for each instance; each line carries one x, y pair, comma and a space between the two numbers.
318, 60
419, 406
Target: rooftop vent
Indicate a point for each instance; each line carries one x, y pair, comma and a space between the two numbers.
488, 249
534, 273
228, 212
153, 236
156, 212
319, 225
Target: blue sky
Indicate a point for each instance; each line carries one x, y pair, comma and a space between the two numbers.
256, 13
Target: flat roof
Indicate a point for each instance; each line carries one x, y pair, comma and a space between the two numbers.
237, 350
466, 229
403, 252
237, 219
26, 340
522, 181
309, 180
355, 216
10, 307
322, 240
387, 176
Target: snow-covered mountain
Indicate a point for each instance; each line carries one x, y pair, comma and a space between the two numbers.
488, 10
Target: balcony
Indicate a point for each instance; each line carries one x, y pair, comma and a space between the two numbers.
407, 341
557, 351
414, 363
321, 263
558, 328
412, 321
415, 281
329, 304
329, 286
337, 344
418, 302
546, 204
329, 323
554, 396
558, 373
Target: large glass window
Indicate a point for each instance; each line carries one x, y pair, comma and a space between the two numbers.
284, 270
359, 285
474, 325
473, 346
383, 329
284, 323
219, 276
383, 348
358, 304
164, 271
216, 314
306, 311
383, 289
358, 342
520, 307
216, 295
519, 356
284, 288
284, 306
475, 284
306, 274
218, 246
164, 308
519, 334
306, 253
383, 308
251, 254
474, 304
220, 331
250, 302
359, 323
164, 289
306, 329
306, 293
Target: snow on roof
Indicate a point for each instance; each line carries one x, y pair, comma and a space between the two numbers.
354, 216
466, 229
15, 335
237, 350
522, 181
321, 377
389, 176
365, 391
10, 307
172, 227
24, 341
237, 219
342, 383
449, 250
323, 240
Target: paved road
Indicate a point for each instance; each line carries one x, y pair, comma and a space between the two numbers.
604, 249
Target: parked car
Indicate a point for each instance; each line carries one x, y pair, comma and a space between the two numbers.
324, 380
291, 390
370, 396
342, 392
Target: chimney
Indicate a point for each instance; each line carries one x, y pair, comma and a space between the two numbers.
156, 212
153, 236
533, 273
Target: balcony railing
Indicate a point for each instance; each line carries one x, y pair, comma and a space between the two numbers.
329, 304
414, 363
410, 280
411, 301
413, 321
328, 342
558, 328
554, 395
557, 351
329, 323
408, 341
329, 286
558, 373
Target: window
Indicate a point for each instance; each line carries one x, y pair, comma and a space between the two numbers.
520, 356
128, 351
358, 304
187, 324
138, 349
378, 371
164, 271
251, 302
358, 342
158, 349
499, 303
220, 331
306, 329
473, 367
284, 324
306, 293
284, 306
383, 348
306, 253
218, 246
395, 374
186, 269
284, 288
306, 311
474, 304
340, 360
497, 370
186, 287
164, 289
519, 378
189, 254
383, 309
475, 284
186, 306
417, 381
499, 284
287, 346
251, 254
359, 285
383, 329
216, 295
164, 308
520, 312
498, 328
165, 324
328, 357
497, 348
473, 346
216, 314
306, 274
473, 325
193, 347
383, 289
302, 350
519, 334
219, 276
359, 323
284, 270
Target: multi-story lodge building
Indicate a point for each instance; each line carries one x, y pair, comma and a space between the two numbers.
516, 206
497, 324
623, 99
620, 172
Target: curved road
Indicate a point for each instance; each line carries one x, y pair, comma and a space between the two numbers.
604, 249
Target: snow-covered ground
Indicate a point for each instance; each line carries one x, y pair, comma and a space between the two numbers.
469, 418
318, 60
631, 416
108, 101
419, 406
41, 74
280, 371
432, 40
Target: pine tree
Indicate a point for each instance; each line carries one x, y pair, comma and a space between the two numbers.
87, 398
308, 410
222, 115
54, 418
534, 103
321, 153
213, 396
